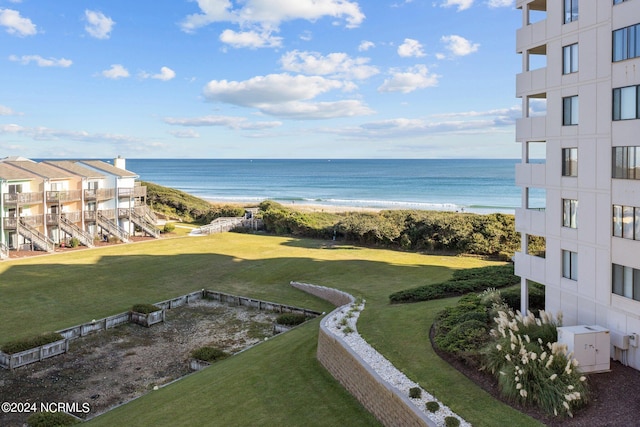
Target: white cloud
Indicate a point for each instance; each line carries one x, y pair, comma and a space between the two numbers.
472, 122
269, 89
98, 25
461, 4
165, 74
267, 15
116, 71
366, 45
250, 39
16, 24
186, 134
41, 133
284, 95
318, 110
500, 3
334, 64
6, 111
225, 121
417, 77
459, 46
41, 62
410, 48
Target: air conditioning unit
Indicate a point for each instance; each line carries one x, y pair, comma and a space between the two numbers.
590, 346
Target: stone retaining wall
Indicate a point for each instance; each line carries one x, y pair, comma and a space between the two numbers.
381, 399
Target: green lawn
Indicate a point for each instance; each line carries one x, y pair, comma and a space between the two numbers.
278, 382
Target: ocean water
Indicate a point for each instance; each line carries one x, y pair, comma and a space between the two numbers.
473, 185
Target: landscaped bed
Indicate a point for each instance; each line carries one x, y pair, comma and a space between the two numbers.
115, 366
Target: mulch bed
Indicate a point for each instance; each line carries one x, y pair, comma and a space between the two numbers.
615, 395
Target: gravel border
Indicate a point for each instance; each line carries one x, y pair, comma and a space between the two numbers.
345, 319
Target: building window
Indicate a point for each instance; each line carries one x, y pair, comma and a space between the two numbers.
570, 111
570, 11
625, 281
626, 43
570, 265
625, 103
626, 222
569, 162
570, 59
625, 163
569, 213
618, 1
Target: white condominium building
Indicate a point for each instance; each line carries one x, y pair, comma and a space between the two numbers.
580, 91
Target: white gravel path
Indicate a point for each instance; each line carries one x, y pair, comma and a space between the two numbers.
345, 320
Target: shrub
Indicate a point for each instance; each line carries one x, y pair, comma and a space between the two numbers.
74, 242
451, 421
532, 367
209, 354
51, 419
169, 227
291, 319
432, 406
145, 308
462, 282
31, 342
415, 392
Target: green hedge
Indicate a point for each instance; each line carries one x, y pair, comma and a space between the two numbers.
51, 419
29, 343
209, 354
291, 319
145, 308
462, 282
418, 230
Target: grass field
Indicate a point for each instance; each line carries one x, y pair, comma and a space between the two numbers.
278, 382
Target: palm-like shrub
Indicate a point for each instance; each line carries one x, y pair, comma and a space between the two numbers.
531, 366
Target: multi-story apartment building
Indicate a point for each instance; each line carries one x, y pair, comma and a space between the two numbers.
580, 90
44, 204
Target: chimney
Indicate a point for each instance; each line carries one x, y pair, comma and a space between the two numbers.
120, 163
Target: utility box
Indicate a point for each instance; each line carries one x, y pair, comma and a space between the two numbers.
590, 346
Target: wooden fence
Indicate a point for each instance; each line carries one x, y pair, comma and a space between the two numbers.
15, 360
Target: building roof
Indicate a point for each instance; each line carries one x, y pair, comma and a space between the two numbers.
42, 170
110, 169
76, 168
12, 173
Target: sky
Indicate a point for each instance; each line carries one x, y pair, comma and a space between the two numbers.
258, 78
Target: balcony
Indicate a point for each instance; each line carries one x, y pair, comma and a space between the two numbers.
530, 267
63, 196
529, 128
22, 198
137, 191
31, 220
54, 219
531, 35
533, 81
99, 194
531, 221
531, 174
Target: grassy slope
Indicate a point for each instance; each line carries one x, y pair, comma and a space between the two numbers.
52, 292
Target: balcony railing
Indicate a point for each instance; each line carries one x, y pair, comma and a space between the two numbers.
54, 219
63, 196
31, 220
99, 194
137, 191
22, 198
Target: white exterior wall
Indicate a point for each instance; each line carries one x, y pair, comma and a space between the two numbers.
588, 300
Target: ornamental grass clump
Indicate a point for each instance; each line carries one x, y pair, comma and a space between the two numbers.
532, 367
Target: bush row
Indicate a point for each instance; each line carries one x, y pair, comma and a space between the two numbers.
488, 235
462, 282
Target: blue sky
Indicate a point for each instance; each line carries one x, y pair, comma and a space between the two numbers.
258, 78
